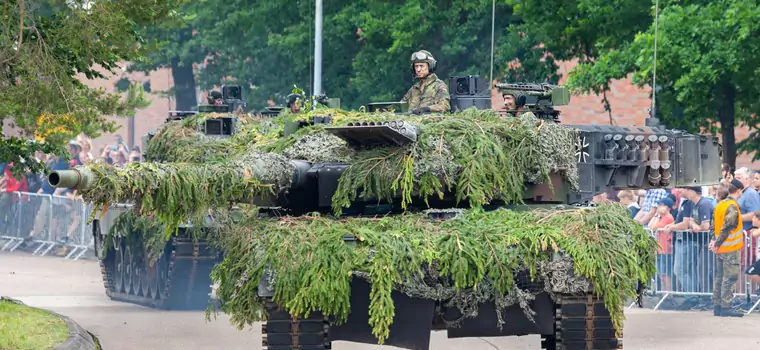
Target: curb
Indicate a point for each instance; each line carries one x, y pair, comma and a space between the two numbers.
79, 338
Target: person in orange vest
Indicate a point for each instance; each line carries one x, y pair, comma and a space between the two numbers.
727, 245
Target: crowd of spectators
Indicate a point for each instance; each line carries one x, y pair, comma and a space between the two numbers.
15, 220
682, 221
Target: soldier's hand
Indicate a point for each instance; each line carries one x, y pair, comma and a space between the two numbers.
421, 110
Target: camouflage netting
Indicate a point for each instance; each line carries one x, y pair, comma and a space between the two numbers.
475, 153
462, 262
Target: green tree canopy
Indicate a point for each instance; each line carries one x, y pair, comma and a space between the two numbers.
268, 46
707, 63
44, 45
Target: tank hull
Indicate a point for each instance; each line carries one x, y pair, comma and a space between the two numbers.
178, 280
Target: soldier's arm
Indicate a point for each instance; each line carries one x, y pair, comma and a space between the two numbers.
730, 222
405, 98
442, 98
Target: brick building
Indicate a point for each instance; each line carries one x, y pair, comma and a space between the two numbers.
629, 107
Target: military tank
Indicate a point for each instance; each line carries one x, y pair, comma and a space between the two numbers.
381, 227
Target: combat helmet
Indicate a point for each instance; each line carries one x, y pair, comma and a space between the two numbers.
291, 99
520, 98
423, 56
213, 96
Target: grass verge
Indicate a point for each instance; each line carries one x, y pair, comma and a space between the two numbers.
23, 327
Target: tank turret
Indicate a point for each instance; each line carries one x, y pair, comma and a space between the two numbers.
378, 227
603, 158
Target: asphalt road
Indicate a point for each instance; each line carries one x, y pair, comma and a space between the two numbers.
75, 289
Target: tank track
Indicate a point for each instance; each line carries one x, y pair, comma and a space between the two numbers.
582, 322
281, 332
178, 280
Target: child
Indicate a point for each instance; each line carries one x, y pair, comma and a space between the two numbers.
662, 218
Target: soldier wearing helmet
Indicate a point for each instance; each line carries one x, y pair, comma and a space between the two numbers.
514, 101
293, 104
428, 93
215, 98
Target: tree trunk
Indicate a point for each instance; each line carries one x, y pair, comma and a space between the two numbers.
727, 124
184, 79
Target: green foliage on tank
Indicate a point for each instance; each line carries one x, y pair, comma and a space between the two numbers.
475, 156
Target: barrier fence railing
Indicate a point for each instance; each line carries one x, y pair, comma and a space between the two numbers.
686, 267
44, 222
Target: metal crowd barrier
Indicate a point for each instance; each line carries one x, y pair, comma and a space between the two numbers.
686, 267
44, 222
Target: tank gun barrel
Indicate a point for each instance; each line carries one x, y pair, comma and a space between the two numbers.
267, 170
80, 178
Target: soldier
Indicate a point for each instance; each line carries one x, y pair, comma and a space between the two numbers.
727, 246
293, 104
215, 98
514, 102
431, 93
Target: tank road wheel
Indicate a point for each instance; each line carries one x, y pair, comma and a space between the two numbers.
118, 265
582, 323
128, 270
151, 280
281, 332
162, 277
138, 274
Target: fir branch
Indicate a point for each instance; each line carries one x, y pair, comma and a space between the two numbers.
480, 253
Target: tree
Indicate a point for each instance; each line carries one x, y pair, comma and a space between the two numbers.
707, 75
582, 29
44, 45
178, 48
268, 46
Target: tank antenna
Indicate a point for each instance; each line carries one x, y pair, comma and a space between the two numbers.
493, 31
652, 120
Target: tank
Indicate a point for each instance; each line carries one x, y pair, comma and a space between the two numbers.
381, 227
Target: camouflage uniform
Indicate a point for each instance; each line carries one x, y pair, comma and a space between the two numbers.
726, 264
430, 94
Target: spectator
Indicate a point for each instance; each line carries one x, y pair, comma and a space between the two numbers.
135, 155
684, 246
651, 198
662, 218
753, 272
74, 149
675, 195
600, 198
701, 218
116, 154
727, 175
612, 195
54, 163
120, 143
750, 199
85, 155
9, 197
627, 198
709, 192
